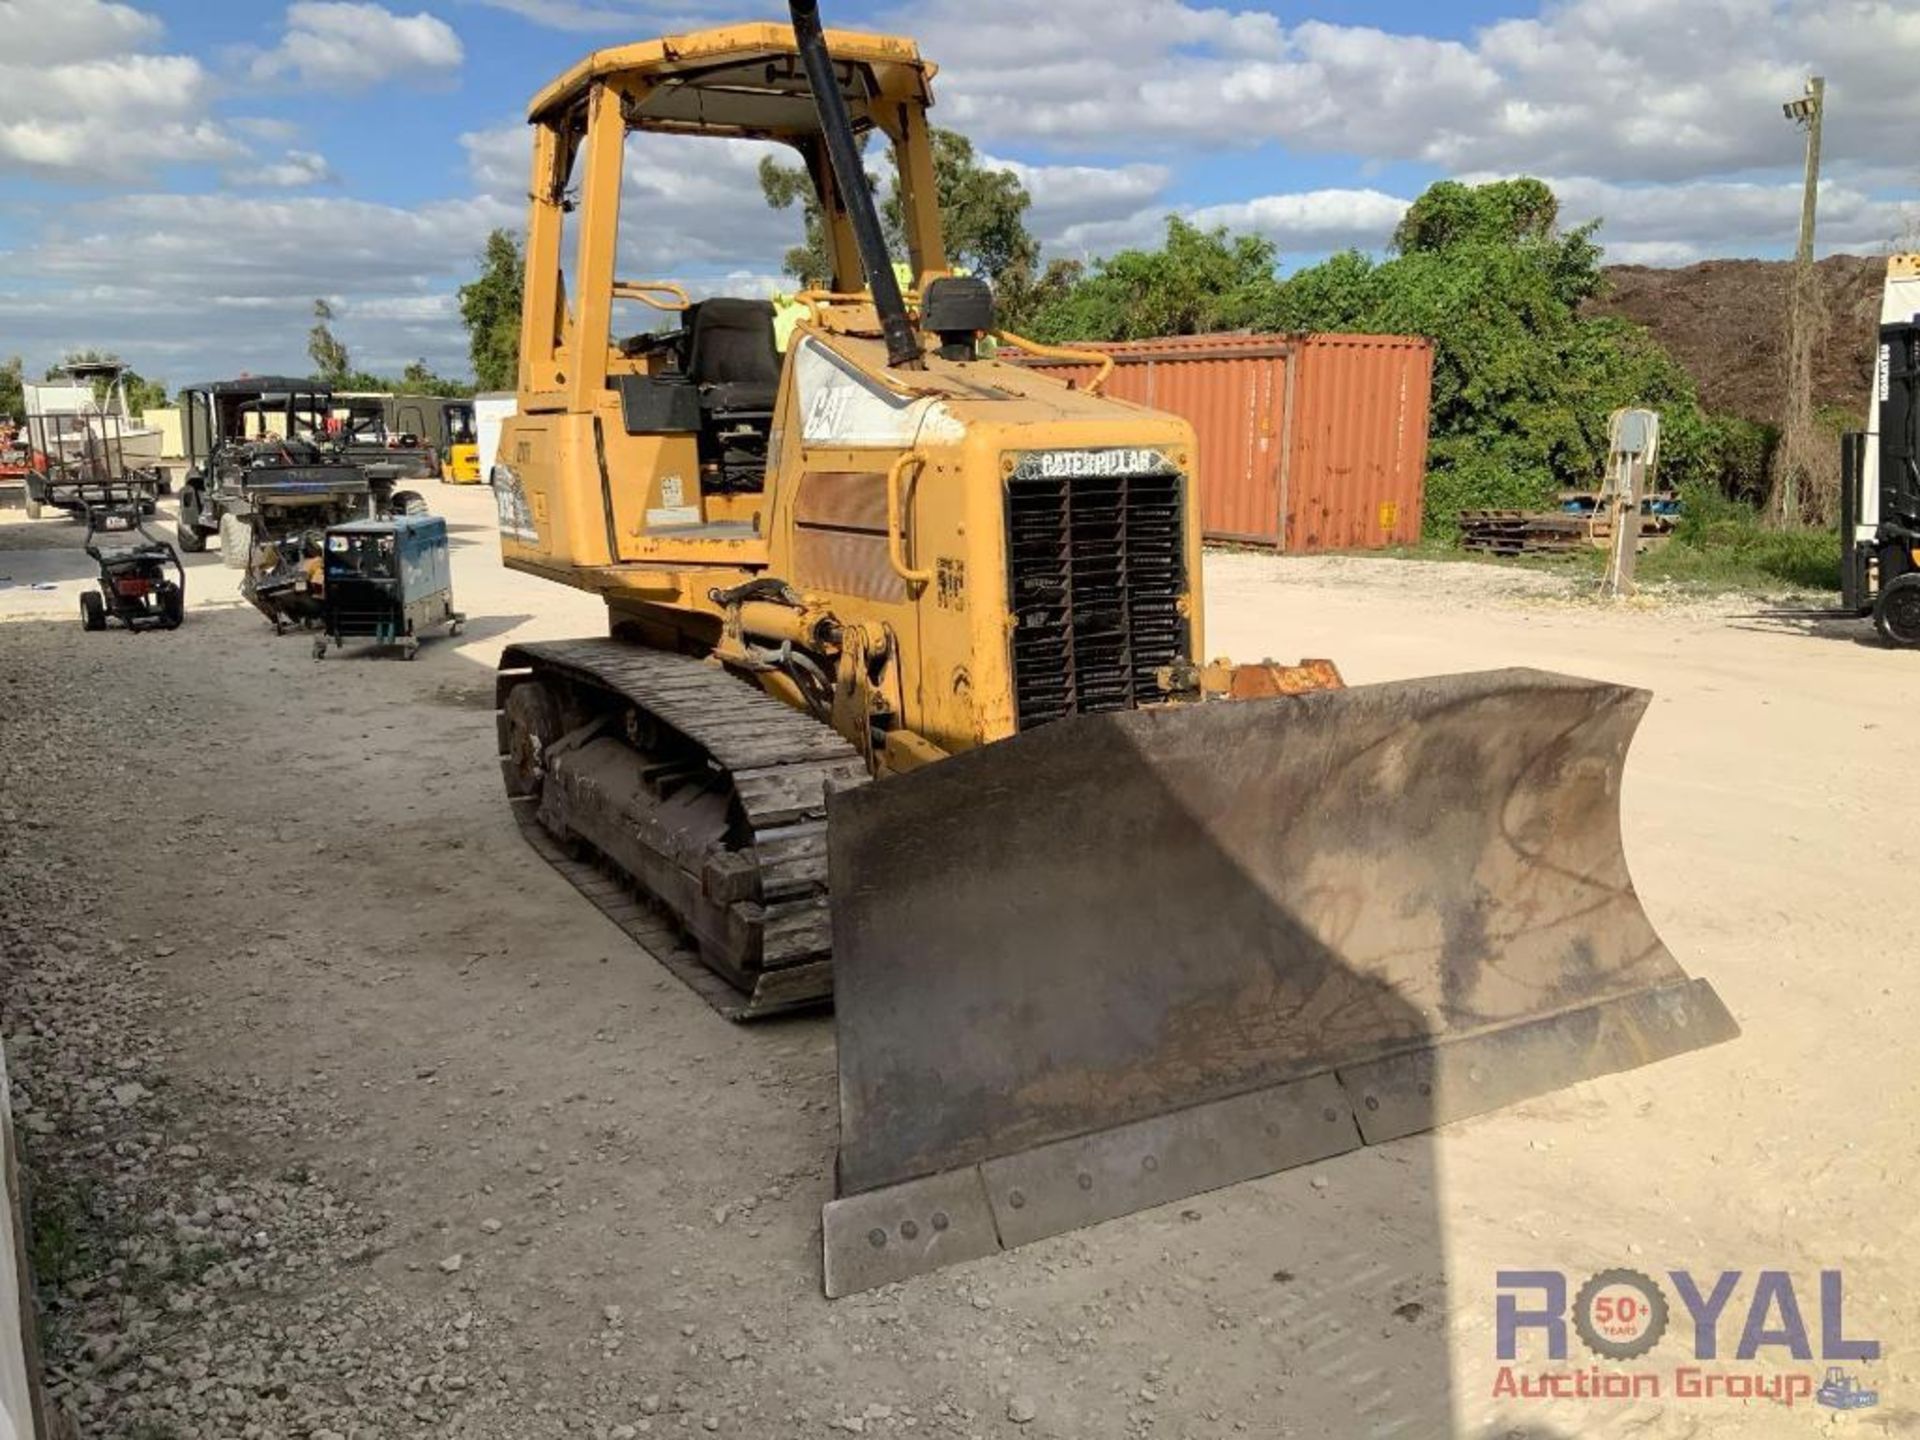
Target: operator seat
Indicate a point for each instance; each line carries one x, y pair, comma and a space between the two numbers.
731, 355
735, 367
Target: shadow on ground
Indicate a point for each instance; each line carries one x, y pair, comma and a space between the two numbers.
486, 1044
1840, 625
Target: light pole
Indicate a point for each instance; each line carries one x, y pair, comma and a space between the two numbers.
1796, 457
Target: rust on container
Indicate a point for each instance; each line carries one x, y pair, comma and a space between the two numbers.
1307, 442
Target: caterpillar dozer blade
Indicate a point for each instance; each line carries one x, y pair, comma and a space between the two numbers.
1126, 958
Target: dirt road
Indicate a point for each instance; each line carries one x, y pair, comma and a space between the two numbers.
357, 1121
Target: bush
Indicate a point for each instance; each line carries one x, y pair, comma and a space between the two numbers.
1461, 477
1722, 542
1707, 512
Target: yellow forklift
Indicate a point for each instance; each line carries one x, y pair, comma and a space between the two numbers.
445, 425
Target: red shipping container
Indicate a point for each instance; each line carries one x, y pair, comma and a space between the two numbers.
1307, 442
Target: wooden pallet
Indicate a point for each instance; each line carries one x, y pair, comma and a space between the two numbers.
1549, 532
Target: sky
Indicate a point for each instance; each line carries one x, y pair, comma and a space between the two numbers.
179, 181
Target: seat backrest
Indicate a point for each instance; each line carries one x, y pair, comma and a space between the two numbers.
730, 342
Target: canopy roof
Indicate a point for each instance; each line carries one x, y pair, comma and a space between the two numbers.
741, 80
262, 385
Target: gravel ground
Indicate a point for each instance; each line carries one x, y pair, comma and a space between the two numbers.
346, 1117
197, 1277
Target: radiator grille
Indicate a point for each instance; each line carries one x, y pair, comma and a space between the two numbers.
1096, 568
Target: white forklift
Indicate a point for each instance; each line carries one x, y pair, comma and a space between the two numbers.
1880, 472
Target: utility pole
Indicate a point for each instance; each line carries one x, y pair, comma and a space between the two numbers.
1806, 111
1796, 451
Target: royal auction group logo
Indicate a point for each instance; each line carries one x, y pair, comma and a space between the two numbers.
1621, 1317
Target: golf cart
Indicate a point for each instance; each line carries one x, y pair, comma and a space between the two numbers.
266, 459
365, 423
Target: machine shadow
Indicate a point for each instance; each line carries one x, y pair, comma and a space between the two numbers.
52, 531
1315, 1300
1129, 960
1160, 942
1176, 956
487, 534
487, 627
1840, 625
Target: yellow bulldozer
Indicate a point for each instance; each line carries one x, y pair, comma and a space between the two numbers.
904, 705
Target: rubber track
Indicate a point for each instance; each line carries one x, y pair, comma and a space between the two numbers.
780, 762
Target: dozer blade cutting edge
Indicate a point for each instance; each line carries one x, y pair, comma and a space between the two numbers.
1127, 958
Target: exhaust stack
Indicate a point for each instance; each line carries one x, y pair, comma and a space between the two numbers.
850, 179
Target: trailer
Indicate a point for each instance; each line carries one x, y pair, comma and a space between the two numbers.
80, 452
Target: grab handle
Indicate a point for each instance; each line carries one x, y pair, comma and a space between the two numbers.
896, 526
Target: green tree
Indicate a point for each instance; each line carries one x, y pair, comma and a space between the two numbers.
982, 213
1198, 281
331, 362
1022, 296
1506, 212
13, 375
490, 306
982, 222
419, 378
782, 186
144, 394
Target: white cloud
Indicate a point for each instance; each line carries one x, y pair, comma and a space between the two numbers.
240, 245
1305, 222
195, 286
1653, 252
566, 14
690, 207
500, 160
1072, 201
694, 205
262, 128
226, 282
412, 309
637, 17
1312, 220
57, 32
294, 170
1598, 97
348, 46
1641, 224
1676, 224
80, 100
1621, 89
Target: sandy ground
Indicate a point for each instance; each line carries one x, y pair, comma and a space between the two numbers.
328, 955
